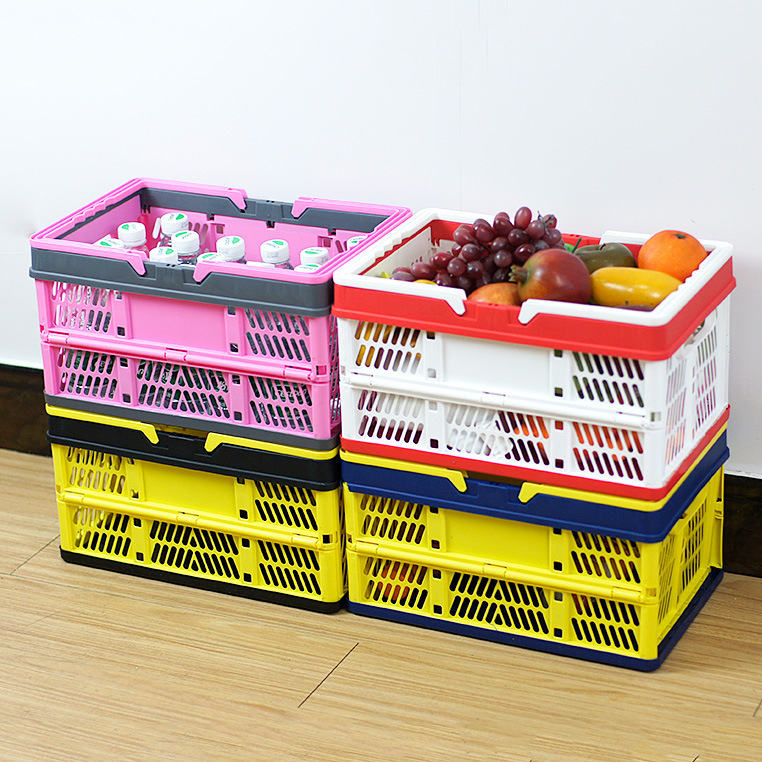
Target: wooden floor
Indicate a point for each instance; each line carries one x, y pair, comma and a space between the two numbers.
96, 665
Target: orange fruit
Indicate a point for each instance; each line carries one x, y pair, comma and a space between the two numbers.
673, 252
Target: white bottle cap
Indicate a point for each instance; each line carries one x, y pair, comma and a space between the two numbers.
275, 252
174, 222
110, 242
309, 268
355, 240
211, 256
186, 242
314, 255
231, 248
132, 234
164, 254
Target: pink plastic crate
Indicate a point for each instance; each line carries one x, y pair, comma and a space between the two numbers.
109, 316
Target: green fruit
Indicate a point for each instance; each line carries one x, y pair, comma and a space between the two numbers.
605, 255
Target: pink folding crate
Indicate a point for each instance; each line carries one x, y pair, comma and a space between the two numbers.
189, 325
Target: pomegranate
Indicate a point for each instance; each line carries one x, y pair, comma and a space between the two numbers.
553, 274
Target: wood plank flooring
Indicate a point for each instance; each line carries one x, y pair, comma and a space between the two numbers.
99, 666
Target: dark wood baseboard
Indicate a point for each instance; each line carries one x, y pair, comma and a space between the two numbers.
23, 426
23, 421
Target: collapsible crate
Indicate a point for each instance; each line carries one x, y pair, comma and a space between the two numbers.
481, 563
102, 308
219, 512
590, 397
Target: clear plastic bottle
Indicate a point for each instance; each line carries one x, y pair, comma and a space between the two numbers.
231, 248
164, 254
314, 255
171, 223
133, 236
276, 252
187, 245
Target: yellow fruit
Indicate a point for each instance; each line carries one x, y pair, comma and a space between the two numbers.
631, 287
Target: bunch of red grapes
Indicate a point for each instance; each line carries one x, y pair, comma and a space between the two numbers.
484, 253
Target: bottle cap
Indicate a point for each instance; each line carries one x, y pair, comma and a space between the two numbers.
186, 242
260, 264
164, 254
310, 268
110, 242
211, 256
231, 248
132, 234
314, 255
275, 252
174, 222
352, 242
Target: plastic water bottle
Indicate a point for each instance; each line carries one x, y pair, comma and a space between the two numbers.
276, 252
164, 254
314, 255
133, 236
187, 244
171, 223
352, 242
231, 248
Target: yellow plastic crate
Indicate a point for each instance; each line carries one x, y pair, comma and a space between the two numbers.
582, 594
253, 537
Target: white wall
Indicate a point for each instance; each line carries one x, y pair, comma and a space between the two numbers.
613, 115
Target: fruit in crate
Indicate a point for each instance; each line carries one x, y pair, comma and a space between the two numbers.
554, 274
673, 252
631, 287
605, 255
496, 293
483, 252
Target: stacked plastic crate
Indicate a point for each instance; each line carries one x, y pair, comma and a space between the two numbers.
194, 410
548, 476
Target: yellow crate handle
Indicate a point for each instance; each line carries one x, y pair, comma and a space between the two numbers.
457, 478
149, 430
510, 573
213, 440
143, 511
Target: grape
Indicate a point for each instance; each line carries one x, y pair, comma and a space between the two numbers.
475, 269
541, 244
522, 217
553, 237
501, 275
456, 249
401, 274
502, 224
471, 252
456, 267
464, 234
535, 230
503, 258
464, 282
523, 252
489, 264
501, 242
422, 270
441, 259
443, 279
484, 233
480, 221
484, 280
517, 237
